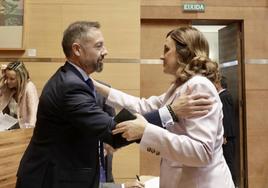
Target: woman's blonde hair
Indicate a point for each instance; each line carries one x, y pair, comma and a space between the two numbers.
193, 55
22, 77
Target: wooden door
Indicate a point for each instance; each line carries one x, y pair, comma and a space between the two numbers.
231, 66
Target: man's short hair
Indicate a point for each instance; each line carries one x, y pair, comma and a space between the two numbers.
76, 30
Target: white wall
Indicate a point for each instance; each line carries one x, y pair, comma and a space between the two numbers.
211, 33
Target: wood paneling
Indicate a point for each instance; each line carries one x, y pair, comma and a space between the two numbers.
256, 76
43, 29
257, 102
41, 72
121, 33
45, 22
45, 2
123, 76
237, 3
14, 143
150, 164
256, 29
116, 28
226, 3
12, 146
153, 36
153, 82
126, 163
258, 182
165, 12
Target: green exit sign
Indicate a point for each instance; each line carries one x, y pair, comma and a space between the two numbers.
194, 7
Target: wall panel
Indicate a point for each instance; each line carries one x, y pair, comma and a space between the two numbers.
126, 163
43, 29
121, 33
256, 76
41, 72
45, 22
114, 74
257, 102
256, 29
220, 3
153, 36
153, 82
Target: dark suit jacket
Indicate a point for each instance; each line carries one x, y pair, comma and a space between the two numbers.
63, 151
228, 113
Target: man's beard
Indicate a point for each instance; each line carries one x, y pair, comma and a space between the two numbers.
99, 66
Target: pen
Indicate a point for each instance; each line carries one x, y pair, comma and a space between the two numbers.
138, 178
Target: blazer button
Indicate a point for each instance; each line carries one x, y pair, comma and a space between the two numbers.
157, 153
149, 149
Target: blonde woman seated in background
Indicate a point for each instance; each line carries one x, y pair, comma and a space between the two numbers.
190, 148
18, 94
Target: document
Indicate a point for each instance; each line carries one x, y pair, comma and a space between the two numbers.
6, 122
152, 183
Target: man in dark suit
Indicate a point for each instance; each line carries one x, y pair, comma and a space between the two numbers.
228, 124
64, 149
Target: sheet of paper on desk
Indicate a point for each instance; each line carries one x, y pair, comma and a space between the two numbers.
6, 121
152, 183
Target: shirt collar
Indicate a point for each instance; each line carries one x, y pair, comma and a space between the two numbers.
82, 72
221, 91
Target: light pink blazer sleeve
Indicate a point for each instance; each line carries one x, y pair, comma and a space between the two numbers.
118, 99
28, 106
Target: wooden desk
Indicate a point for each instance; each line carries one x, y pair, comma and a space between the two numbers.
12, 146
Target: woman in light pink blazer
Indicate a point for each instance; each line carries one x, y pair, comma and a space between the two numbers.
16, 85
190, 148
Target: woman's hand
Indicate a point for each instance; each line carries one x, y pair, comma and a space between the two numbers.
190, 105
133, 129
